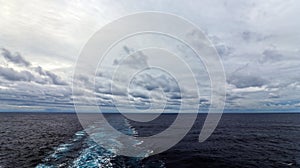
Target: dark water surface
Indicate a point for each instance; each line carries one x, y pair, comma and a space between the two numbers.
240, 140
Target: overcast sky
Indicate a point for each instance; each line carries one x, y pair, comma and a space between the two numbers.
258, 42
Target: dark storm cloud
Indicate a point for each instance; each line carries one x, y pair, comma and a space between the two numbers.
14, 58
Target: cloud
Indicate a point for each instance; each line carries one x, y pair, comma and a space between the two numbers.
246, 81
55, 79
258, 46
30, 74
270, 56
284, 104
151, 82
232, 97
136, 60
31, 88
12, 75
35, 97
152, 86
273, 96
138, 93
250, 36
16, 58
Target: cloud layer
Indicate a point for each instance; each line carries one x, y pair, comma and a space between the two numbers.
258, 42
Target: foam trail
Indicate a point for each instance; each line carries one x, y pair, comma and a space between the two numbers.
62, 153
96, 156
82, 151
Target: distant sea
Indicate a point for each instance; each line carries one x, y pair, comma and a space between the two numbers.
240, 140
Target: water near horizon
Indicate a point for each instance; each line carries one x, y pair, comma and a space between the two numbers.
58, 140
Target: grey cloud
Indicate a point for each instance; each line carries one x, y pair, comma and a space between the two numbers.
222, 48
128, 50
118, 91
273, 96
233, 99
55, 79
254, 36
107, 87
16, 58
136, 60
12, 75
145, 87
139, 94
32, 88
202, 100
152, 82
242, 77
244, 81
279, 104
270, 56
28, 74
33, 95
176, 95
40, 70
204, 103
230, 97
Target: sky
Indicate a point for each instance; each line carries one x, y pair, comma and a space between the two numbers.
258, 43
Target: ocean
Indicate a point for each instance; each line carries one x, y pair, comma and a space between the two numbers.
58, 140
